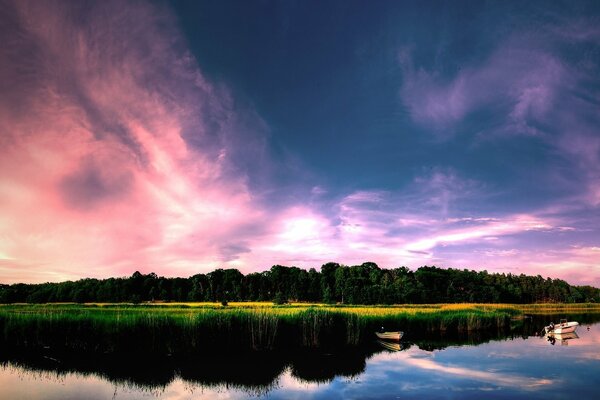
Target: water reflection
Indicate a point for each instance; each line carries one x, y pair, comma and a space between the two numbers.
393, 346
513, 365
562, 338
493, 376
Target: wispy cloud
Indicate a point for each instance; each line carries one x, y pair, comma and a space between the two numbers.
443, 187
117, 152
528, 85
384, 227
521, 82
532, 87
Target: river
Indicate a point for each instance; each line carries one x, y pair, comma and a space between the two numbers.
516, 366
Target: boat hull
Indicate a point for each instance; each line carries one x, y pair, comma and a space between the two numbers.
568, 327
389, 335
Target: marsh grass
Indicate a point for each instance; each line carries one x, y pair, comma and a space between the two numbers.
203, 327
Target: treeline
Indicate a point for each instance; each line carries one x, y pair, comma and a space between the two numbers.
335, 283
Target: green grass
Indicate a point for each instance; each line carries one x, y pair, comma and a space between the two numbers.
196, 328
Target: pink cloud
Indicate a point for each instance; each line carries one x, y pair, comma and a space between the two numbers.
534, 90
118, 154
379, 227
523, 77
577, 265
101, 174
505, 226
367, 226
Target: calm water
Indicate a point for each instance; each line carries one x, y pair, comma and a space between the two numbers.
515, 367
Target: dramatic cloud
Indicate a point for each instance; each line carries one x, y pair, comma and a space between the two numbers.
117, 153
529, 86
522, 82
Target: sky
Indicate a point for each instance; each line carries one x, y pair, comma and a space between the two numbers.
180, 137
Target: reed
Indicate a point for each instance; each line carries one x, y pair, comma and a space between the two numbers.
202, 327
197, 328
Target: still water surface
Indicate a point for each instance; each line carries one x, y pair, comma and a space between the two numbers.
514, 367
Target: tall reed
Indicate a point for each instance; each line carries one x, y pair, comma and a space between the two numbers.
177, 329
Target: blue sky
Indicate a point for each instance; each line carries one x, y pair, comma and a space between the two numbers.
344, 88
250, 133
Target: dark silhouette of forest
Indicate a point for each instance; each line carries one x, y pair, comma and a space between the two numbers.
335, 283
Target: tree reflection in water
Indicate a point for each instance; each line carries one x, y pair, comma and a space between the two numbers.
253, 373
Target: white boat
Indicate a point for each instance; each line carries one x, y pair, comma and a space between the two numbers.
562, 327
390, 335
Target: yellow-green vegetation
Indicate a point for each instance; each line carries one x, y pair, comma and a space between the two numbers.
197, 327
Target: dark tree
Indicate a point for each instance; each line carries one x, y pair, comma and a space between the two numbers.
357, 284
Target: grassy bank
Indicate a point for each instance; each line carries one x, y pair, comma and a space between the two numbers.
201, 327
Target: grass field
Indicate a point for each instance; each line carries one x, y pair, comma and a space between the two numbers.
197, 327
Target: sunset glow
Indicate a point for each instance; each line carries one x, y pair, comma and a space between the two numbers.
167, 138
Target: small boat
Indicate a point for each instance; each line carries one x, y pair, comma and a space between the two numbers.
390, 335
562, 327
